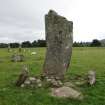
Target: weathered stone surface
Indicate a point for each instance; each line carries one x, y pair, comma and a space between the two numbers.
17, 58
9, 48
32, 79
32, 82
69, 84
56, 83
27, 82
20, 48
23, 76
59, 33
67, 92
91, 77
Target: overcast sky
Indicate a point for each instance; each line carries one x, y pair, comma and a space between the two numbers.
22, 20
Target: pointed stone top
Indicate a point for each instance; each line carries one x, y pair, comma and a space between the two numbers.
52, 12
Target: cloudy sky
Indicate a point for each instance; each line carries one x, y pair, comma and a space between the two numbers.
22, 20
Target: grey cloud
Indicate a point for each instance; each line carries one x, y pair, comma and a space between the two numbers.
24, 19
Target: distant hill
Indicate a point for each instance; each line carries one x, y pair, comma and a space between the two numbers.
102, 42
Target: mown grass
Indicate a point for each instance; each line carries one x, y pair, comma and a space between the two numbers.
83, 60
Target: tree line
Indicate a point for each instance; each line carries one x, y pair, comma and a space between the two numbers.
25, 44
94, 43
42, 43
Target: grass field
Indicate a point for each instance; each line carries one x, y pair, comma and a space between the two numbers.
83, 60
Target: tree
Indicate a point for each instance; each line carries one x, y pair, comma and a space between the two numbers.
14, 45
34, 44
95, 43
41, 43
3, 45
26, 44
75, 44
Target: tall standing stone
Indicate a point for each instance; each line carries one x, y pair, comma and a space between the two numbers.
59, 36
20, 48
9, 48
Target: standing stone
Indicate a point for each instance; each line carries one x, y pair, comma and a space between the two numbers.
20, 48
91, 77
9, 48
17, 58
23, 76
59, 36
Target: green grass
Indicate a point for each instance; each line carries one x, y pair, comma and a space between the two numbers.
83, 60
